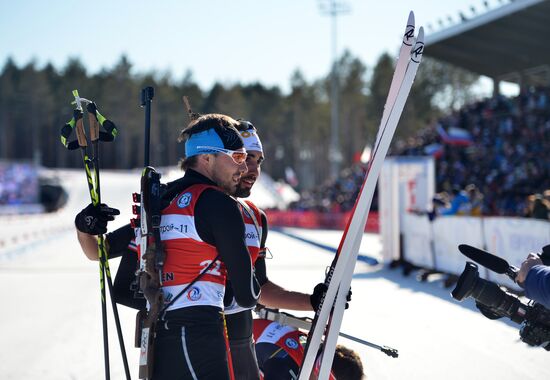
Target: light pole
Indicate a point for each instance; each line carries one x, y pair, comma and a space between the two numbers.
334, 8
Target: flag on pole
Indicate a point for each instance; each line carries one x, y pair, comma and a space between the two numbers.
455, 136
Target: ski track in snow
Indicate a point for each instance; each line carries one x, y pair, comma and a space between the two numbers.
51, 317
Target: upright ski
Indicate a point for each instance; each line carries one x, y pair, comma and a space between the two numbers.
365, 199
339, 276
399, 72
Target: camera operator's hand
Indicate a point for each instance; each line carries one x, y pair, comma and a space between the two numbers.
319, 292
531, 260
93, 219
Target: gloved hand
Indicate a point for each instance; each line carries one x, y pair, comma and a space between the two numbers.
319, 292
93, 219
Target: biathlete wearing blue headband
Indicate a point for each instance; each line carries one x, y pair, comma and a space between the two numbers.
191, 344
200, 223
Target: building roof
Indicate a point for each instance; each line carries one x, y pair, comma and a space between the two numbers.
506, 43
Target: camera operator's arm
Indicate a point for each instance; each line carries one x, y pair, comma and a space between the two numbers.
535, 279
527, 264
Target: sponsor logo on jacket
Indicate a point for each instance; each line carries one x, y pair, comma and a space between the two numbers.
184, 200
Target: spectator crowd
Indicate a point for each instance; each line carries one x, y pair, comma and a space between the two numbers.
333, 196
492, 158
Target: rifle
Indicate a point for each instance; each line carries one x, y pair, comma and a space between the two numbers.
152, 255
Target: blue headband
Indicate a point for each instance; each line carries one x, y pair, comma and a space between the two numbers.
205, 138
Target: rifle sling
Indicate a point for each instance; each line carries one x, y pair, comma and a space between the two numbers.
163, 310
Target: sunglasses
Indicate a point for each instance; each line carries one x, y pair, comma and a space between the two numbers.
238, 156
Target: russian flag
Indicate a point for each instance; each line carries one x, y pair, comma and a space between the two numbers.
455, 136
435, 150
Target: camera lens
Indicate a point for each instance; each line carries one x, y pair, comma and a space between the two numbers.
466, 282
488, 294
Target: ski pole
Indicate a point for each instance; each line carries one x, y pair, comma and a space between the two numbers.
305, 324
91, 166
385, 349
88, 165
94, 117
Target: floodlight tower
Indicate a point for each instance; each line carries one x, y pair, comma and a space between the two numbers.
334, 8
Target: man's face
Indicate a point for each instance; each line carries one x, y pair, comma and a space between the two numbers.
226, 172
254, 161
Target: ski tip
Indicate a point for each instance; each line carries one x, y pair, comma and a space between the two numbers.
408, 37
420, 36
418, 49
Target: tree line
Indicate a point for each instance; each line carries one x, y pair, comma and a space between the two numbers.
295, 126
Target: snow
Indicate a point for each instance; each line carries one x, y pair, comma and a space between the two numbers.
51, 317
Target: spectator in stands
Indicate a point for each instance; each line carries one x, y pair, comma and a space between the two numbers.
546, 196
537, 207
459, 200
474, 206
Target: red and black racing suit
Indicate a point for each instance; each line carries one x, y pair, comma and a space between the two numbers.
239, 320
190, 342
280, 350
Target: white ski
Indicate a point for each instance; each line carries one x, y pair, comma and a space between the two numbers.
366, 197
340, 275
323, 315
399, 72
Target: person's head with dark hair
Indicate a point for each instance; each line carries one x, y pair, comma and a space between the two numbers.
347, 364
215, 149
455, 190
254, 158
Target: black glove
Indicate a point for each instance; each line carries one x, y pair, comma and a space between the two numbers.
319, 292
487, 311
93, 219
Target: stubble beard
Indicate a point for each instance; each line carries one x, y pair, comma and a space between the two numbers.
242, 192
229, 186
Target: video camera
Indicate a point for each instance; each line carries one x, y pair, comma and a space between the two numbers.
494, 302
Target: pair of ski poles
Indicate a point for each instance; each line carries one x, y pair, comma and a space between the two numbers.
91, 167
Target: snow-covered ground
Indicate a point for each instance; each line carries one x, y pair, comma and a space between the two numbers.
50, 322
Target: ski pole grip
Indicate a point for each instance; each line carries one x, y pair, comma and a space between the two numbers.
80, 134
390, 351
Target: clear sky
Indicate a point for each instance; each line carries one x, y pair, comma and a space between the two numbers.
218, 40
